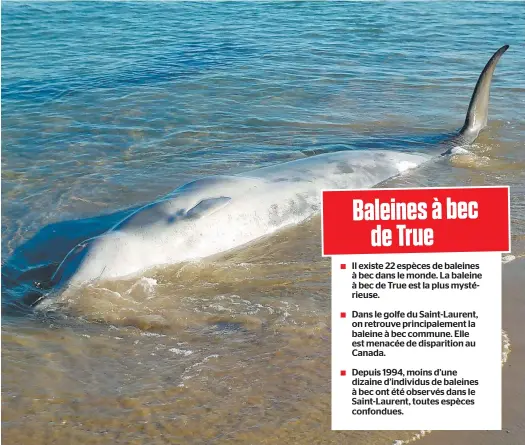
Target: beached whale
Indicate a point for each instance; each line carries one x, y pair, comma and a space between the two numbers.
218, 213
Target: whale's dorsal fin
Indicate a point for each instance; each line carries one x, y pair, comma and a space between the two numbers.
207, 207
477, 113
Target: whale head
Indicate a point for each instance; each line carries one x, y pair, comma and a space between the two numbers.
159, 233
115, 254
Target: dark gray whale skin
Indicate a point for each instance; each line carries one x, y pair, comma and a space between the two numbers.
27, 274
478, 110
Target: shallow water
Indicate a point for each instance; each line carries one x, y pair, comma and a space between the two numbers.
111, 105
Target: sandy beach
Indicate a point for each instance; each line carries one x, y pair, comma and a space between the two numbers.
513, 432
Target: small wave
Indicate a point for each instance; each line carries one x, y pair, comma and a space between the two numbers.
460, 151
181, 351
152, 334
506, 348
145, 286
195, 367
415, 437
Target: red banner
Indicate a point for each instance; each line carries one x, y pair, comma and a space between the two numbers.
426, 220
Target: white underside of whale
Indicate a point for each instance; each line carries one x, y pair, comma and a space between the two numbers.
219, 213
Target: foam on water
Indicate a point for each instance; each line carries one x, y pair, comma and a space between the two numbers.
181, 351
460, 150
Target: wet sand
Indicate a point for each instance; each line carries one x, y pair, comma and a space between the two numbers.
513, 432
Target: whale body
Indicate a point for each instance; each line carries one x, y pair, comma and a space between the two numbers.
218, 213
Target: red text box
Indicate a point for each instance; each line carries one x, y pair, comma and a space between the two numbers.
473, 219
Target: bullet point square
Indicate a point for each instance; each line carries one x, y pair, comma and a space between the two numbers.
343, 314
343, 266
343, 373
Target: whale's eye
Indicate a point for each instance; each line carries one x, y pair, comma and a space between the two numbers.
177, 215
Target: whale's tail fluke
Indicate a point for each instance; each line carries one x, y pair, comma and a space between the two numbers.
477, 113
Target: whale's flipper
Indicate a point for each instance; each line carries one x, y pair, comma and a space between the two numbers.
207, 207
477, 112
